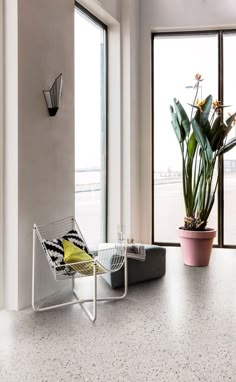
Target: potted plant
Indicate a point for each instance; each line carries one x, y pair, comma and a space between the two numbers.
202, 140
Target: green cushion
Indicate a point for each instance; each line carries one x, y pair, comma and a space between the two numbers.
73, 254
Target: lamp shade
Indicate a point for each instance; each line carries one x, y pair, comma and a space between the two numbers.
53, 96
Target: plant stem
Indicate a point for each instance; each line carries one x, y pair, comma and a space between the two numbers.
194, 101
184, 176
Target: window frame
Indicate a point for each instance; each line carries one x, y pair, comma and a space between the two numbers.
97, 21
220, 192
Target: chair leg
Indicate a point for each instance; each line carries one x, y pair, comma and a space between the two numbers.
111, 298
125, 285
34, 306
92, 316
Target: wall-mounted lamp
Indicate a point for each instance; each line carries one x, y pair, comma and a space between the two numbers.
53, 96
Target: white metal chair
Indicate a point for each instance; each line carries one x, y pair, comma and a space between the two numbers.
102, 261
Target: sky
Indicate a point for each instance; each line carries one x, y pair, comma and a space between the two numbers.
88, 39
176, 61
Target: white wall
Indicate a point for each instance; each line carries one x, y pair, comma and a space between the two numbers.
112, 7
39, 149
11, 155
1, 152
114, 126
46, 144
187, 13
130, 117
168, 15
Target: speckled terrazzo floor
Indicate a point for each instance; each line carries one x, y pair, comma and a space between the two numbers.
179, 328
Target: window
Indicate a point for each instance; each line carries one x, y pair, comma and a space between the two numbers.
177, 57
229, 181
90, 126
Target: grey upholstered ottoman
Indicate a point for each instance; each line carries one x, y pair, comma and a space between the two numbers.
153, 267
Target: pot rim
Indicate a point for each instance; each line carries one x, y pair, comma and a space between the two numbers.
207, 229
208, 233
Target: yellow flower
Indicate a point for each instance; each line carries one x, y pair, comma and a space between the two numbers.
199, 103
198, 77
216, 104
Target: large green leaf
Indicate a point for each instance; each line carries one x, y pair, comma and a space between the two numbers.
178, 129
207, 127
206, 108
214, 128
192, 144
224, 149
218, 139
207, 210
202, 140
209, 206
230, 123
182, 116
202, 114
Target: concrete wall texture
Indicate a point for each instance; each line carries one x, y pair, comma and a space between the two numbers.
44, 164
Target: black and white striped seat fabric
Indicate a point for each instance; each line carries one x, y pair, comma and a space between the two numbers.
55, 251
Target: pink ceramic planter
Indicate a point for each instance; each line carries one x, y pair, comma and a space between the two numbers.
196, 246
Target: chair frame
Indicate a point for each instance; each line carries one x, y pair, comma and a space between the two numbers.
91, 313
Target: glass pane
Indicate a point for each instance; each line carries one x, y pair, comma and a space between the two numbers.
90, 128
176, 61
230, 157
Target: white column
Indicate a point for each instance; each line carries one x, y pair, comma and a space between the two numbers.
11, 154
1, 152
130, 117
